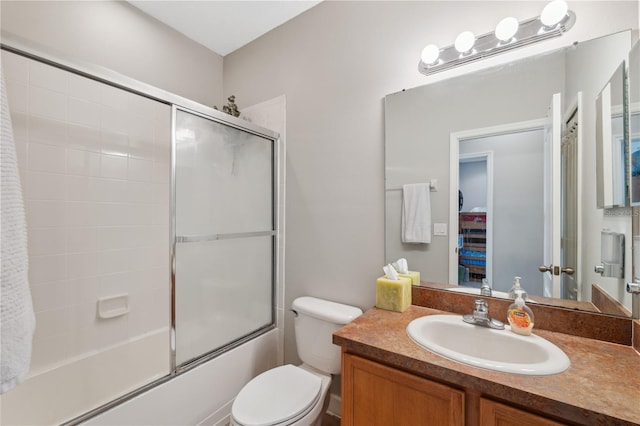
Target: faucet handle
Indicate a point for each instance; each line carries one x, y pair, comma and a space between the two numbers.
481, 306
480, 316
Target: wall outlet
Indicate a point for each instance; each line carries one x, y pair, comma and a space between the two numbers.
440, 229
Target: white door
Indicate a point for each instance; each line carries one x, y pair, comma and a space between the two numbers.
552, 199
571, 199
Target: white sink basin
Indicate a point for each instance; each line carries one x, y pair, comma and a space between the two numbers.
499, 350
476, 291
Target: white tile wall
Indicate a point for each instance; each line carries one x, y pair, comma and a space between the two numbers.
95, 162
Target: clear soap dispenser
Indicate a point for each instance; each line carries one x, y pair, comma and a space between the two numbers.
516, 290
520, 317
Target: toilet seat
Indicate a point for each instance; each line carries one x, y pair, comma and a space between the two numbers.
279, 396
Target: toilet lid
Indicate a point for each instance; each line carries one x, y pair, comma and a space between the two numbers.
276, 396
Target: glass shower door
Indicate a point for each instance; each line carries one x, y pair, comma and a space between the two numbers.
224, 235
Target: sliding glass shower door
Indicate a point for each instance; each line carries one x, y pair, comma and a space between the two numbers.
224, 235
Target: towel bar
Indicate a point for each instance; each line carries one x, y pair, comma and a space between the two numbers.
433, 186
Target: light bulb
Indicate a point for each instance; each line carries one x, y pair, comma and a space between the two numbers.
430, 54
553, 13
465, 41
506, 29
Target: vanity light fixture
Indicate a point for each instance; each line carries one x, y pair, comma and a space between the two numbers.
507, 29
430, 54
553, 13
464, 42
555, 20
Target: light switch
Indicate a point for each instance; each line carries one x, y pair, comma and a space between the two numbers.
440, 229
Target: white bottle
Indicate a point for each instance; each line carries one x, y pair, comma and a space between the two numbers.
516, 290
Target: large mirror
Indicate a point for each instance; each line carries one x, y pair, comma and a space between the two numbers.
513, 152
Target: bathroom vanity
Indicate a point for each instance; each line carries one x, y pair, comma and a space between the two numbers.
387, 379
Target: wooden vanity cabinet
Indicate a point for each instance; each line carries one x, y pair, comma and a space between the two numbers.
494, 413
374, 394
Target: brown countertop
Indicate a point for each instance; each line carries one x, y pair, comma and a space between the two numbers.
602, 385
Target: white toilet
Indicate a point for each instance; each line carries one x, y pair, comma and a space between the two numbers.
290, 395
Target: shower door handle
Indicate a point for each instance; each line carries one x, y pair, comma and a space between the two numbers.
215, 237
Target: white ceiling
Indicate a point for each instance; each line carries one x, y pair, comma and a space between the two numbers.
223, 26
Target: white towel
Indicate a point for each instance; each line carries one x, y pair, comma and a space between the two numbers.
17, 319
416, 213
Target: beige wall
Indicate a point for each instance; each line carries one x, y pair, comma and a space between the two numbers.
335, 63
118, 36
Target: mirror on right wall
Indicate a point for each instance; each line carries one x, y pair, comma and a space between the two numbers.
634, 154
634, 162
612, 141
482, 134
634, 125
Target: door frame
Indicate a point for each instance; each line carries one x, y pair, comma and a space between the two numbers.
454, 153
487, 157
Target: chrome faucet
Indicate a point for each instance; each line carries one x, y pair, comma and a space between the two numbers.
480, 316
485, 290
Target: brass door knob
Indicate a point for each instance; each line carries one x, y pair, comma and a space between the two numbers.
555, 270
543, 268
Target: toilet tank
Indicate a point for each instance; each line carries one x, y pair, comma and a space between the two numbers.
315, 322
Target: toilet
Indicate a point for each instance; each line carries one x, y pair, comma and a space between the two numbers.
298, 395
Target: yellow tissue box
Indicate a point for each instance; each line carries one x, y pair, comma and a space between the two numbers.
414, 276
393, 295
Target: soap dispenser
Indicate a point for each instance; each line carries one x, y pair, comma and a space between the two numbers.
520, 317
516, 290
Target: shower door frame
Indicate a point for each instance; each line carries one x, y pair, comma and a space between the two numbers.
174, 239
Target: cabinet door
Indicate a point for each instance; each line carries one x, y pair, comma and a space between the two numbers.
374, 394
496, 414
